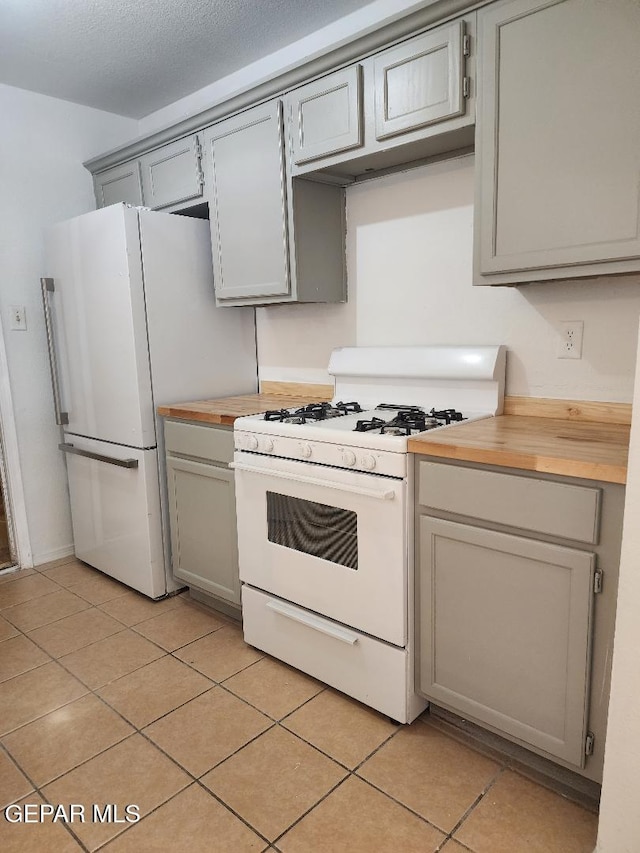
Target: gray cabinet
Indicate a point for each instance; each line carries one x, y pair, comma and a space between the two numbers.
408, 103
509, 632
516, 585
202, 513
326, 116
172, 174
558, 140
420, 82
275, 239
248, 210
121, 183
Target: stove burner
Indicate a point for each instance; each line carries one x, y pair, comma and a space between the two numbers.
347, 408
276, 415
366, 426
393, 429
396, 406
447, 415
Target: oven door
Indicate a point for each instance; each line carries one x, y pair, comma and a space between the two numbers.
331, 540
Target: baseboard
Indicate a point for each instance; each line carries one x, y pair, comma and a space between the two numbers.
54, 554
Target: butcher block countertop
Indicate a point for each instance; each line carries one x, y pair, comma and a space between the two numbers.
593, 451
225, 410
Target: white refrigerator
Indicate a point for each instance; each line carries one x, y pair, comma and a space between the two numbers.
132, 324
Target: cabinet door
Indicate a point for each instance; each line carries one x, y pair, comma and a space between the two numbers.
122, 183
420, 82
248, 205
327, 116
558, 137
172, 174
202, 514
504, 627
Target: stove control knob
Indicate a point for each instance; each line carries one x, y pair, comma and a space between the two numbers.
368, 462
252, 442
267, 445
305, 450
348, 458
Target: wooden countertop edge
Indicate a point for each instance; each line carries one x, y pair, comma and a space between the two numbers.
580, 469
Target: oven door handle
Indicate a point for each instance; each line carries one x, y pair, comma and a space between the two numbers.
382, 495
312, 621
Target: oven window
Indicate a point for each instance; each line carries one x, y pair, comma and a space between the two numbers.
317, 529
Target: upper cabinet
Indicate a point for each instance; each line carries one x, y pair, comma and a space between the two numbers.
420, 82
558, 140
248, 205
407, 103
121, 183
168, 177
326, 116
172, 174
275, 239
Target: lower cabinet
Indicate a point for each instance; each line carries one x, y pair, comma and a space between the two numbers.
202, 510
515, 624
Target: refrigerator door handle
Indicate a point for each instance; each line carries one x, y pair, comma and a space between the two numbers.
48, 287
110, 460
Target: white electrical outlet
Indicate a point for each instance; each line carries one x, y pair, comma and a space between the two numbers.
570, 345
18, 318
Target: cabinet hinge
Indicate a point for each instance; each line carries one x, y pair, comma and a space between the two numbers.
466, 45
597, 581
466, 87
588, 743
199, 161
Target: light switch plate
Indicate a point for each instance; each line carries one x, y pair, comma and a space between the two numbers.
18, 318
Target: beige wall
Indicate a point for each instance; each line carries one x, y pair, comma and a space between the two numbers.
619, 829
409, 251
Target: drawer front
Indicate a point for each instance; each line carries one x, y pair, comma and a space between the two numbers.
367, 669
205, 442
540, 506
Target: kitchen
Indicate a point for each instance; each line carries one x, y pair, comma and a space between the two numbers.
387, 220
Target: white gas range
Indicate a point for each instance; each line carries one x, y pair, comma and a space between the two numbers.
325, 514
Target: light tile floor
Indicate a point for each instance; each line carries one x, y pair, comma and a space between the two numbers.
107, 697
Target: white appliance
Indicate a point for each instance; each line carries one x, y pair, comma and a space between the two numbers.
324, 499
132, 324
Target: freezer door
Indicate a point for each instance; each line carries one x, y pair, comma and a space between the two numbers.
100, 324
115, 510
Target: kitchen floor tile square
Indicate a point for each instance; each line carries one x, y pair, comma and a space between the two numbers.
430, 773
343, 728
13, 784
355, 818
73, 632
17, 655
273, 687
178, 627
25, 589
45, 837
98, 589
59, 741
154, 690
195, 822
273, 781
519, 816
207, 730
132, 771
132, 607
41, 611
73, 571
221, 654
33, 694
111, 658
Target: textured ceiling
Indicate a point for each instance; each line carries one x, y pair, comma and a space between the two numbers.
134, 56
